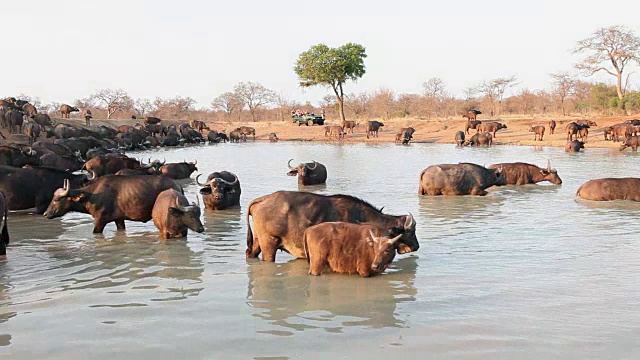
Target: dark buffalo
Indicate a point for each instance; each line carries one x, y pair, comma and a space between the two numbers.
280, 219
32, 131
523, 173
66, 110
459, 138
170, 141
41, 147
609, 189
28, 188
156, 129
213, 137
107, 132
459, 179
634, 122
12, 156
472, 124
574, 129
14, 120
586, 122
273, 137
480, 139
236, 136
574, 146
552, 126
492, 127
181, 170
312, 173
349, 125
472, 115
173, 215
64, 162
538, 132
192, 136
404, 137
631, 142
152, 120
373, 127
223, 137
110, 164
112, 199
4, 236
348, 248
43, 120
222, 190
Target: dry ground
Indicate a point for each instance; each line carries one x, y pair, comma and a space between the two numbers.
427, 131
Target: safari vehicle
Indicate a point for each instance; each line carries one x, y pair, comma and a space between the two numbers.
309, 119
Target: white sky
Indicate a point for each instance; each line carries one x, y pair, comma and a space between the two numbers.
67, 49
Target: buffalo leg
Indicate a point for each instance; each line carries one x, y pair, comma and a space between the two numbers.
120, 224
269, 248
99, 226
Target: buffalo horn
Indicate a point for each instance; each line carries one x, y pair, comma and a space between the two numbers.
235, 181
65, 186
409, 222
198, 182
549, 165
195, 162
312, 168
178, 206
289, 164
373, 236
93, 175
392, 241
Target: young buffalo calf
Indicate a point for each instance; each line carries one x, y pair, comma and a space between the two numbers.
173, 215
348, 248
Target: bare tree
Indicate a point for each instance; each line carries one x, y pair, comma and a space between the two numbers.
434, 88
383, 102
565, 84
143, 106
610, 50
229, 103
254, 96
357, 103
501, 85
113, 100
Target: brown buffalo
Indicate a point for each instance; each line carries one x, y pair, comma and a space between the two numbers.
348, 248
247, 130
66, 110
538, 132
273, 137
618, 132
552, 126
460, 138
472, 124
349, 125
373, 127
110, 164
472, 114
574, 128
4, 236
631, 142
198, 125
312, 173
32, 131
43, 120
459, 179
335, 130
222, 190
492, 127
280, 219
181, 170
609, 189
29, 110
480, 139
523, 173
574, 146
112, 199
173, 215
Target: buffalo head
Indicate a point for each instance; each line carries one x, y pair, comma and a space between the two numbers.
64, 200
302, 170
384, 250
551, 175
405, 228
189, 216
499, 177
217, 187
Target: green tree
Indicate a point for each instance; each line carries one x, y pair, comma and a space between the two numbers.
604, 96
331, 67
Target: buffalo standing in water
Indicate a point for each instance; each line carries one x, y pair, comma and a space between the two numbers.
523, 173
280, 219
609, 189
632, 142
459, 179
574, 146
460, 138
181, 170
312, 173
173, 215
222, 190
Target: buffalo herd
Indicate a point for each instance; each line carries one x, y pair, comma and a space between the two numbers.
85, 170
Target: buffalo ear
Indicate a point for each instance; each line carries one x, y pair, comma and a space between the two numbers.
544, 172
79, 197
175, 211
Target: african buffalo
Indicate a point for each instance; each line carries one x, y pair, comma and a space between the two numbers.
618, 132
404, 137
631, 142
246, 131
61, 162
574, 146
236, 136
273, 137
538, 132
173, 215
349, 125
14, 120
112, 199
492, 127
198, 125
609, 189
32, 131
373, 127
523, 173
181, 170
41, 147
66, 110
312, 173
472, 115
459, 138
480, 139
152, 120
574, 129
280, 219
156, 129
586, 122
110, 164
472, 124
29, 110
348, 248
459, 179
334, 130
4, 236
43, 120
222, 190
213, 137
26, 188
12, 156
552, 126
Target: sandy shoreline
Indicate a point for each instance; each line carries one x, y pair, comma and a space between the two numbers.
441, 131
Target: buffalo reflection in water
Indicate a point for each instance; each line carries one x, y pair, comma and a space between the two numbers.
285, 295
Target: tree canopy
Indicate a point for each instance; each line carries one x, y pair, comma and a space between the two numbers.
331, 67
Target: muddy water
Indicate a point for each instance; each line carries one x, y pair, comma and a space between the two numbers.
524, 272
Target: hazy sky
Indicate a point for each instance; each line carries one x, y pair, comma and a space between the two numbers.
67, 49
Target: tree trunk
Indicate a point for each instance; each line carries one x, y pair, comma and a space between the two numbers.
340, 98
619, 86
